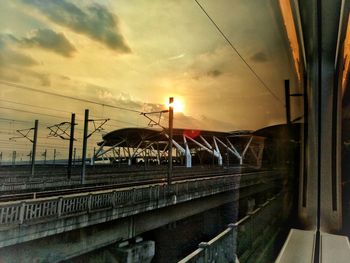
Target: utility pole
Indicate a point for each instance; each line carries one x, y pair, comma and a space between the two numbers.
83, 157
228, 158
0, 158
54, 157
93, 158
97, 128
287, 100
45, 154
74, 155
71, 142
170, 154
14, 158
60, 130
35, 138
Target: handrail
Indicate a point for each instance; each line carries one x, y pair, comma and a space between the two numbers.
19, 212
228, 237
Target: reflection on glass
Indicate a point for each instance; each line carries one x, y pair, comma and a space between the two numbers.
235, 160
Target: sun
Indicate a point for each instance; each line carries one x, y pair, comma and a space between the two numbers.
178, 104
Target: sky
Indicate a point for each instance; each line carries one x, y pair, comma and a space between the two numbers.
135, 54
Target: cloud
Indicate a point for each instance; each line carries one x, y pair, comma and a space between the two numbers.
214, 73
42, 38
43, 78
177, 57
123, 100
50, 40
203, 122
14, 73
8, 56
8, 76
12, 57
259, 57
15, 66
95, 21
213, 64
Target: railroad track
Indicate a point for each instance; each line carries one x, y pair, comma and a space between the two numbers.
98, 173
26, 184
86, 189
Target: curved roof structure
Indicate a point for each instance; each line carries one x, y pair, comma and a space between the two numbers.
133, 136
281, 131
133, 143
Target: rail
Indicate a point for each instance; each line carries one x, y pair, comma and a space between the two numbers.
239, 239
26, 183
159, 195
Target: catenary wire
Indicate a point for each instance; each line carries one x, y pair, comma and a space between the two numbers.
239, 54
15, 85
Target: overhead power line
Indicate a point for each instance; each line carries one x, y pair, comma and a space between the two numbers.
13, 120
49, 115
237, 52
32, 112
34, 106
65, 96
59, 110
23, 121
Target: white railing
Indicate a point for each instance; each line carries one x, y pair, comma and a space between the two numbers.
239, 238
19, 212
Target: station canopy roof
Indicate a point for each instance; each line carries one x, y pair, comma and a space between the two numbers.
131, 137
281, 132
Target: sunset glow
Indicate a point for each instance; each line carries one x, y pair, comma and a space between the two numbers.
178, 105
98, 53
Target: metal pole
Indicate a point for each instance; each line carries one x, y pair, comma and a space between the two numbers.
14, 158
35, 138
54, 157
287, 100
45, 153
170, 154
93, 157
0, 158
83, 157
228, 158
71, 142
74, 154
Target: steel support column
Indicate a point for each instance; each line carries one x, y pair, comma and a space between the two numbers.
35, 138
187, 154
85, 137
71, 142
170, 149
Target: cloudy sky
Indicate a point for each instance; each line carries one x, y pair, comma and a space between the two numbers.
135, 54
